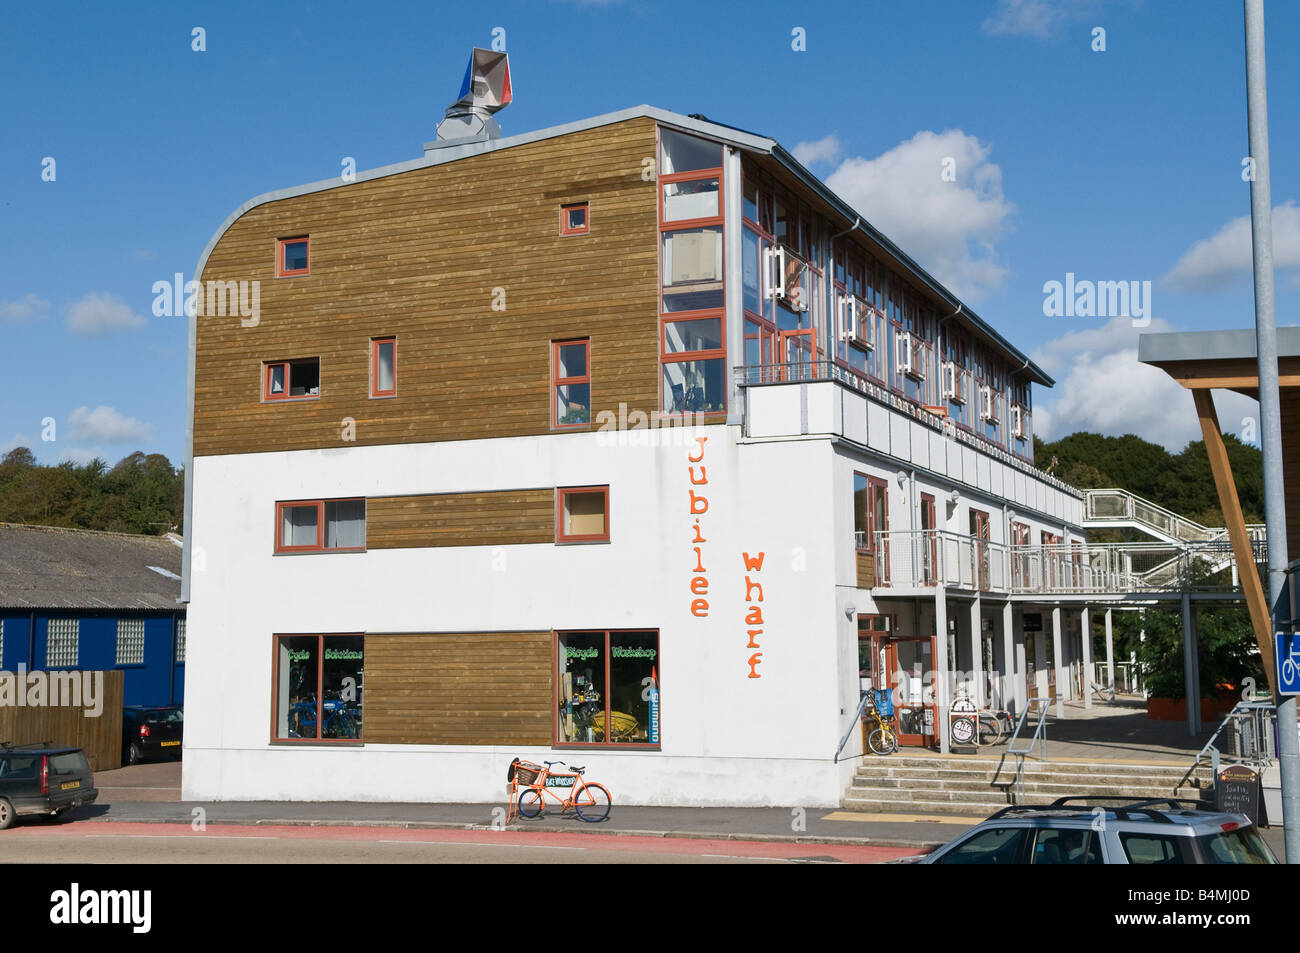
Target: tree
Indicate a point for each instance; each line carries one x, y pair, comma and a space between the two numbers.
141, 494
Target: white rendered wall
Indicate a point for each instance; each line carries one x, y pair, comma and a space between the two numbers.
726, 738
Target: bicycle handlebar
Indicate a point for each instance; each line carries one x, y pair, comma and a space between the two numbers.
549, 763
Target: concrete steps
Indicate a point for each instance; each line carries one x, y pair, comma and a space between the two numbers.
976, 786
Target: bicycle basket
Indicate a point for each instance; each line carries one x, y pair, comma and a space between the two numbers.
884, 703
526, 772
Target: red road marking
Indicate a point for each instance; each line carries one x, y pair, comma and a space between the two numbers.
854, 854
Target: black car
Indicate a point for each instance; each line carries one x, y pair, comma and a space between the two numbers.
151, 733
42, 779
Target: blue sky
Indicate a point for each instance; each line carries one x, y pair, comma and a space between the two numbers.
1122, 164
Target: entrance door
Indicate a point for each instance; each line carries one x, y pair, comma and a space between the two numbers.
930, 541
909, 662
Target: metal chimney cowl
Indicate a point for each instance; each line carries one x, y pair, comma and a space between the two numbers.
485, 90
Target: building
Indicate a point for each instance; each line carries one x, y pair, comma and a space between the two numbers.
625, 442
82, 599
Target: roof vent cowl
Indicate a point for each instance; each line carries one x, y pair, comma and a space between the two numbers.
485, 90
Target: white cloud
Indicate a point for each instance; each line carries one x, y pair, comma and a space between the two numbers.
1102, 387
23, 310
950, 227
826, 149
101, 313
1038, 19
1214, 263
107, 425
143, 254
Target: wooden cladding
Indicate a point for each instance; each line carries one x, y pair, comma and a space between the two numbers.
100, 738
471, 688
495, 518
463, 263
866, 570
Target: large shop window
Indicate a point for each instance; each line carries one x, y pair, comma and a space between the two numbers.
608, 688
306, 526
318, 687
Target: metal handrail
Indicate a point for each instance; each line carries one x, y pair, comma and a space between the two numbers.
1259, 713
1040, 732
856, 723
1140, 510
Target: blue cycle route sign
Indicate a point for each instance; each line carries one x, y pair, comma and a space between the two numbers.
1287, 654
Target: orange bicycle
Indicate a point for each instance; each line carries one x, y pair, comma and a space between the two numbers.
590, 800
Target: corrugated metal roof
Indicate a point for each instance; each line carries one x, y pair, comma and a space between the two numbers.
50, 567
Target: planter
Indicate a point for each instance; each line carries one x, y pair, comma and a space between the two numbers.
1175, 709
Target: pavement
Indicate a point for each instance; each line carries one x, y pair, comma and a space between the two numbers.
150, 793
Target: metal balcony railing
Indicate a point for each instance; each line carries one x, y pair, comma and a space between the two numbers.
918, 558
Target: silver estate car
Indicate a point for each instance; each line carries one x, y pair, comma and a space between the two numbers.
1106, 831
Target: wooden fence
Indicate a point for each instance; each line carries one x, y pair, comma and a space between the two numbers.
100, 736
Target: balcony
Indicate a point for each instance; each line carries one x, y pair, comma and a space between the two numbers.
913, 561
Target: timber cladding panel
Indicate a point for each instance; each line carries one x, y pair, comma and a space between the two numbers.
496, 518
866, 563
460, 688
100, 736
423, 256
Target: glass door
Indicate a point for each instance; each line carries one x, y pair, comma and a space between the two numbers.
910, 662
797, 353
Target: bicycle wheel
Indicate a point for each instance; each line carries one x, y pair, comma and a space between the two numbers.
882, 740
592, 802
531, 803
990, 731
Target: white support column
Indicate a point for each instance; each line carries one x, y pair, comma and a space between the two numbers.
940, 662
976, 682
1110, 654
1041, 687
1058, 661
1010, 672
1085, 643
1022, 664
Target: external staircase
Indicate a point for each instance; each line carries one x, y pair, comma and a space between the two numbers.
980, 785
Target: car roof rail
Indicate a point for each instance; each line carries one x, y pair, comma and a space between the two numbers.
1153, 808
10, 746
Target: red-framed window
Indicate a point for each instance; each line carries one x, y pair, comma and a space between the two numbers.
291, 380
383, 367
571, 384
870, 510
292, 256
582, 514
607, 688
317, 526
692, 339
316, 688
575, 219
1020, 426
930, 545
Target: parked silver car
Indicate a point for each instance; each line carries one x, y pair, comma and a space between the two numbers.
1075, 830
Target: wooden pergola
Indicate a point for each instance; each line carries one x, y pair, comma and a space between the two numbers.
1202, 361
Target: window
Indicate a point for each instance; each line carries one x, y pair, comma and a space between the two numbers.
998, 845
1066, 845
870, 510
383, 367
574, 219
130, 642
317, 683
1152, 848
306, 526
582, 514
61, 643
571, 384
607, 688
692, 344
180, 640
291, 257
285, 380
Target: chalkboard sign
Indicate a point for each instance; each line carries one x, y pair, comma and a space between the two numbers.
1238, 792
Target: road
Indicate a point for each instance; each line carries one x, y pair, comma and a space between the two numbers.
116, 842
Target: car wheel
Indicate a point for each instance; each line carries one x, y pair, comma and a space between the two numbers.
134, 755
6, 814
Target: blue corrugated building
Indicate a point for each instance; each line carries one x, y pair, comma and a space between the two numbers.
82, 599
